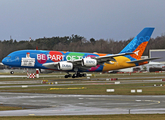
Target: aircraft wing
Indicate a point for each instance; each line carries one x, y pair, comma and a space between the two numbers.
101, 59
143, 60
108, 58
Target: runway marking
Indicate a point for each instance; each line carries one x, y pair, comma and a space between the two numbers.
80, 98
152, 101
72, 88
109, 99
138, 100
31, 114
155, 101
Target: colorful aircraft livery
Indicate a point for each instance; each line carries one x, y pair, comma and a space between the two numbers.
82, 62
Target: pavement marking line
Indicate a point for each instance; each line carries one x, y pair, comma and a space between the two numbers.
109, 99
138, 100
80, 98
152, 101
71, 88
31, 114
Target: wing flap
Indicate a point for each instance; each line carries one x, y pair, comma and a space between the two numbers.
108, 58
143, 60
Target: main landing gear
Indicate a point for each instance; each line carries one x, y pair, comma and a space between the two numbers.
77, 74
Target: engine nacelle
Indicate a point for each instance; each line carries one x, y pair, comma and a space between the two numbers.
65, 66
89, 62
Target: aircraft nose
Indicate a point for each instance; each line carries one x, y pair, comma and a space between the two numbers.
4, 61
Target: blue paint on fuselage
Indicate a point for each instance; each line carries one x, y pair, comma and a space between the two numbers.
14, 59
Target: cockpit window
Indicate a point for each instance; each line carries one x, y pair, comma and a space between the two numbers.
9, 56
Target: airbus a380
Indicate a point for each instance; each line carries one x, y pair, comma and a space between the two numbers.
79, 62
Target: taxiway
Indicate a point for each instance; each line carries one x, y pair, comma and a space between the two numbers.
58, 104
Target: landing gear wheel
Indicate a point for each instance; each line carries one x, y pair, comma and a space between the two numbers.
66, 76
11, 72
80, 75
84, 75
76, 75
73, 76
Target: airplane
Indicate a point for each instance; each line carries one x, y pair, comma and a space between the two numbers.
79, 62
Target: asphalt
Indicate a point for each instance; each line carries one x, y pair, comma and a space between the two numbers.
58, 104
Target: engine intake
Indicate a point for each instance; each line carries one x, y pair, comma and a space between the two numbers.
65, 66
89, 62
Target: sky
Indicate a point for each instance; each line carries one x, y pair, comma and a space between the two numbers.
98, 19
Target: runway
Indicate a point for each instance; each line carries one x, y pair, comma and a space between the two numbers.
58, 104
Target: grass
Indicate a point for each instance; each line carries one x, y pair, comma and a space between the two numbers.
2, 108
96, 89
91, 117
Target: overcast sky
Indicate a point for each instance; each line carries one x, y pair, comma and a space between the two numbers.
107, 19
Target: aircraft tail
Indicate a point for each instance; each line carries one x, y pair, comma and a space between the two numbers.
139, 43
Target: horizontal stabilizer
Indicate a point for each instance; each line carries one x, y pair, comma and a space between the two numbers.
143, 60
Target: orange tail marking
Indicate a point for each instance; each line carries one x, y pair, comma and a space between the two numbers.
146, 62
139, 51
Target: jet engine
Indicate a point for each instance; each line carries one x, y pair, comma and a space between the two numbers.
65, 66
89, 62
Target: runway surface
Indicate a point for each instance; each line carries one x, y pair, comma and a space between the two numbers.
57, 104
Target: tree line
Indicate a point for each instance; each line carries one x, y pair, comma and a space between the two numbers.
75, 43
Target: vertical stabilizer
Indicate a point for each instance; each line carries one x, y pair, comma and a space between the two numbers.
139, 43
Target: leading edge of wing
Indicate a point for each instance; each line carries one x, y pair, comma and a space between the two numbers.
143, 60
111, 57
